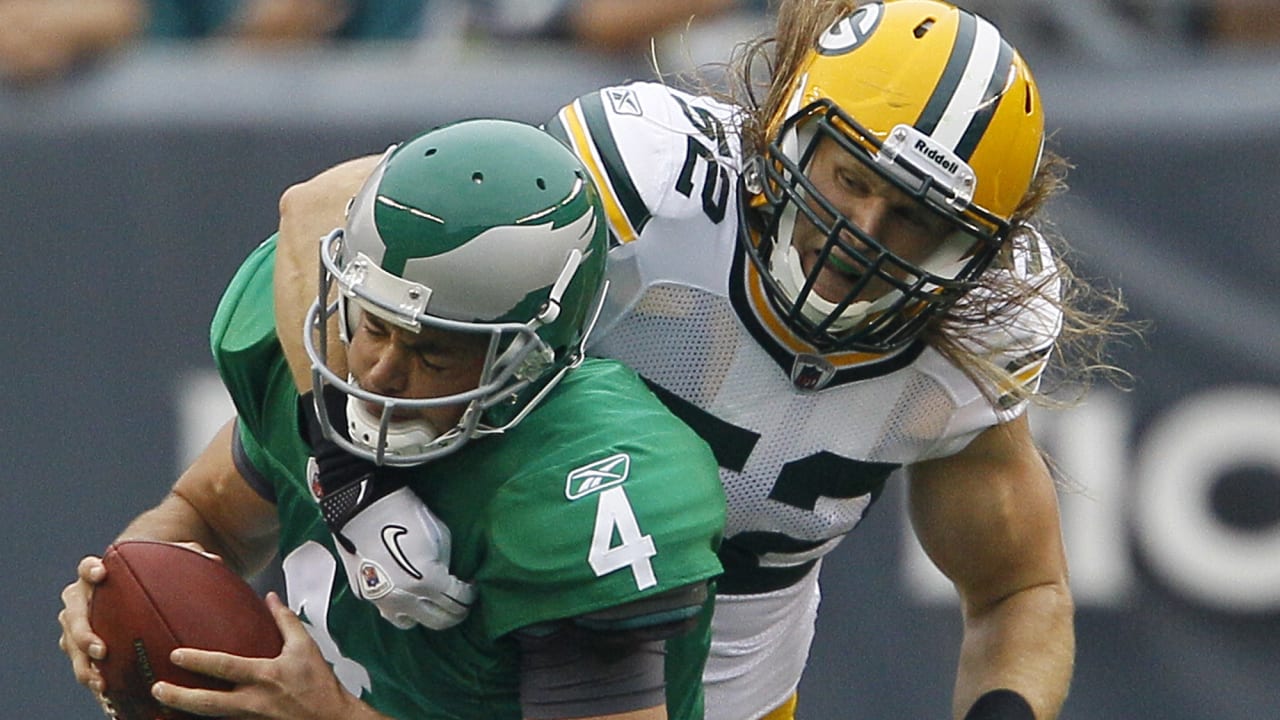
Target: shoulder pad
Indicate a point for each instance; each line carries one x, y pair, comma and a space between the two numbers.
636, 141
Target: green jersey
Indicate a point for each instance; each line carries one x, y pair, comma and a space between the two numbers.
598, 497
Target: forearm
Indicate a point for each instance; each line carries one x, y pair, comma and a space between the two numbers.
988, 517
308, 212
1025, 643
175, 519
211, 504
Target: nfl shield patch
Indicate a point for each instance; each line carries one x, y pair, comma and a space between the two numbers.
811, 372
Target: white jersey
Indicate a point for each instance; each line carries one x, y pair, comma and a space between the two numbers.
805, 442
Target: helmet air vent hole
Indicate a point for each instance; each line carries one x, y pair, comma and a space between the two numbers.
477, 177
1027, 102
542, 184
923, 28
429, 152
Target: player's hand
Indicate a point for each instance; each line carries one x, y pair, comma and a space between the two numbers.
295, 685
78, 640
400, 563
82, 646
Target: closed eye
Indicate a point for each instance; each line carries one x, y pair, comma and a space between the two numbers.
855, 184
373, 325
429, 357
922, 219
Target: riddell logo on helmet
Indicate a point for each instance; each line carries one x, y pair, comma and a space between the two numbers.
938, 156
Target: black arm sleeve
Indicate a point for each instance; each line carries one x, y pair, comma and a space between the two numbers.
604, 663
568, 674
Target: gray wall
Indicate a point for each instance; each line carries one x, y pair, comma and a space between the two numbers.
131, 194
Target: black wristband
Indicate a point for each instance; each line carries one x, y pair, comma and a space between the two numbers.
1001, 704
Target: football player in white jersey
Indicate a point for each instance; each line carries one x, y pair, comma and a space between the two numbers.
832, 285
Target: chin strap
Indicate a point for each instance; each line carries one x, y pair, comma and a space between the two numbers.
402, 437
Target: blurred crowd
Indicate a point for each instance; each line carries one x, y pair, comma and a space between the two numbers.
44, 40
1114, 31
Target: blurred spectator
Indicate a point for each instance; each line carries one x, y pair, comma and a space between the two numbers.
287, 21
1239, 22
44, 40
1125, 32
1216, 23
609, 25
41, 39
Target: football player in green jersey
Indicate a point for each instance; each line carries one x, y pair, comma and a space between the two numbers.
475, 521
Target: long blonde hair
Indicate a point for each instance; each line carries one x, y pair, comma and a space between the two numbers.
761, 74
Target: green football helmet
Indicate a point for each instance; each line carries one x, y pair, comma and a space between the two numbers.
481, 226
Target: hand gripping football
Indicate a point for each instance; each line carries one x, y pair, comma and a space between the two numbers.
157, 597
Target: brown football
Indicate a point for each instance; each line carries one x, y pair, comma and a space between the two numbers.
157, 597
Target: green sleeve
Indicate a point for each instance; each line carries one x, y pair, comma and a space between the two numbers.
253, 369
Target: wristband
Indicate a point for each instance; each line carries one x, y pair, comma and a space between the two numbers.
1001, 704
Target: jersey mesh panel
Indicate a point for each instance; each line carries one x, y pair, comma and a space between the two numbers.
666, 339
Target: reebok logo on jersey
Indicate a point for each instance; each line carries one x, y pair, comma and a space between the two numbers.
597, 476
624, 101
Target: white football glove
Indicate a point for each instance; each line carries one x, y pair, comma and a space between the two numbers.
394, 549
401, 563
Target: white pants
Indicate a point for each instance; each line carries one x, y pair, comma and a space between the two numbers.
759, 646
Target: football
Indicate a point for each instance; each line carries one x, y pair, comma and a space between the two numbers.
159, 596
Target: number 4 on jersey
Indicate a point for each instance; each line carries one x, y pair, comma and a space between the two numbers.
633, 549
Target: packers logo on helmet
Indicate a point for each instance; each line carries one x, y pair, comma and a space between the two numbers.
850, 32
934, 101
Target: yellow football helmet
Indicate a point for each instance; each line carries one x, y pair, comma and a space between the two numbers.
940, 106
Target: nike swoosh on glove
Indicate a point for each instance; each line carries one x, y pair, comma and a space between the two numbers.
397, 557
394, 549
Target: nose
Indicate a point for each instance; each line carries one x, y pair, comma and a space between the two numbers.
389, 372
869, 213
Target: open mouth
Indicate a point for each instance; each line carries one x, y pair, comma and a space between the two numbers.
837, 277
843, 267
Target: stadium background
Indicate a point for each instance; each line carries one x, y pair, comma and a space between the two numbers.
133, 191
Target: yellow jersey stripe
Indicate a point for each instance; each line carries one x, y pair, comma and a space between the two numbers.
580, 139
